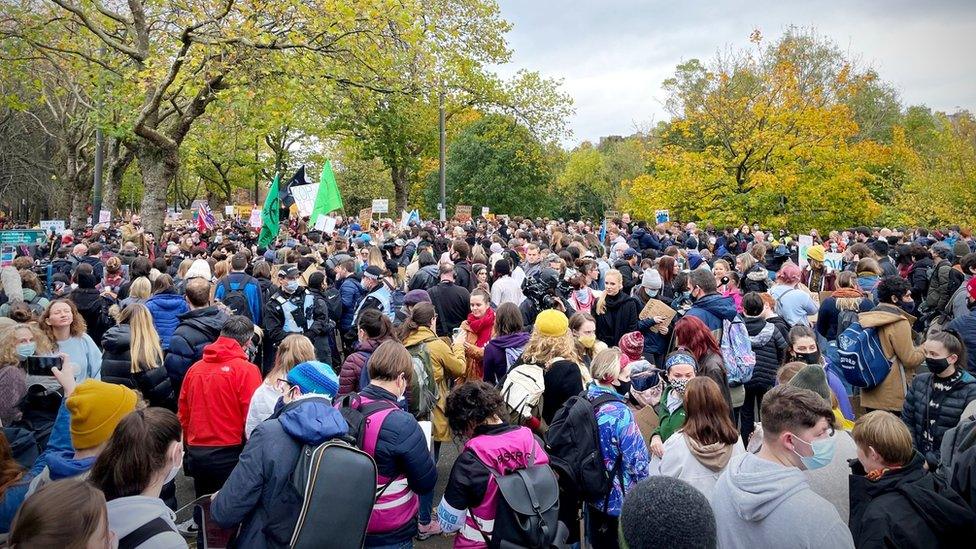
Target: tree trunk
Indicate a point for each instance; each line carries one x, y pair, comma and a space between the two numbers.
401, 188
158, 167
119, 159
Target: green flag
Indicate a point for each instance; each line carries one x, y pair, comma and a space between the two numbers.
270, 222
328, 198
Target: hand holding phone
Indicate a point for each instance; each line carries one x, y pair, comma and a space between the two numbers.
42, 365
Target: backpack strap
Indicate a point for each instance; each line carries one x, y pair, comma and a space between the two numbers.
145, 533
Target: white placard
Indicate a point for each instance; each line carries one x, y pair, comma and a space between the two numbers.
484, 211
229, 211
834, 260
326, 224
404, 219
804, 241
305, 198
255, 221
381, 206
56, 225
104, 216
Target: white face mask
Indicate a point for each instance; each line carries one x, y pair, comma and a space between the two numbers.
175, 470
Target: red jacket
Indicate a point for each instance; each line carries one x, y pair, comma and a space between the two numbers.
216, 394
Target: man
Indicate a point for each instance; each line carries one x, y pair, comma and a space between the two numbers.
213, 405
965, 325
238, 284
198, 328
460, 250
351, 292
378, 296
135, 233
764, 499
880, 249
289, 311
627, 265
532, 264
451, 301
93, 256
941, 280
710, 307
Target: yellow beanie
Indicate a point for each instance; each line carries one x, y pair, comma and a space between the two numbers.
816, 252
552, 323
96, 408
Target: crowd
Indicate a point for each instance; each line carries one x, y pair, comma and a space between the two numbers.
624, 385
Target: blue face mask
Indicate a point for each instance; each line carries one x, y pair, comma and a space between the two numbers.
291, 286
823, 452
25, 350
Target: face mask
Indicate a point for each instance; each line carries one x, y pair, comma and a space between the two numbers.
937, 365
25, 350
172, 473
809, 358
823, 453
587, 341
623, 388
907, 306
652, 293
679, 386
291, 286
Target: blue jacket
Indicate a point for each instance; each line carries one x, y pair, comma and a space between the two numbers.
166, 310
646, 239
252, 291
259, 492
351, 292
966, 326
619, 435
654, 343
712, 309
198, 328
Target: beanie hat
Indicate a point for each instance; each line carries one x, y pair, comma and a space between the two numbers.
812, 377
495, 248
652, 280
960, 248
96, 408
667, 512
816, 253
552, 323
414, 297
199, 269
315, 377
632, 346
694, 261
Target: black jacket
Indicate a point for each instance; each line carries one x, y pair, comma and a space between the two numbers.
628, 274
908, 508
154, 383
916, 414
463, 276
197, 329
94, 309
770, 348
322, 327
619, 318
452, 303
563, 380
918, 276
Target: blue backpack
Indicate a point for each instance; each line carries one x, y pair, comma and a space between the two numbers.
862, 360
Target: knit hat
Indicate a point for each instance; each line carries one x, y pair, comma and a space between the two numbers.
664, 511
495, 248
960, 248
632, 346
315, 377
694, 261
816, 252
971, 288
414, 297
552, 323
96, 408
814, 378
652, 280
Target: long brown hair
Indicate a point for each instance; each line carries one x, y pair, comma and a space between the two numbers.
64, 513
421, 315
10, 470
137, 450
78, 325
508, 320
707, 415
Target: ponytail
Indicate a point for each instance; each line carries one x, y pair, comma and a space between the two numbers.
135, 452
421, 315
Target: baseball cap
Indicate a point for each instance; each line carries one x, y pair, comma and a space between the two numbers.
629, 253
290, 271
373, 272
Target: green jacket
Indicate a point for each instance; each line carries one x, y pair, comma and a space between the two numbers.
669, 422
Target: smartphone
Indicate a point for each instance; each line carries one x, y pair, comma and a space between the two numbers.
455, 333
42, 365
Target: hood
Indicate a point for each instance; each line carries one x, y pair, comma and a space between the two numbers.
64, 465
312, 420
420, 334
719, 305
757, 273
128, 513
169, 302
511, 341
118, 338
208, 320
755, 327
29, 294
430, 270
714, 456
224, 349
883, 315
758, 486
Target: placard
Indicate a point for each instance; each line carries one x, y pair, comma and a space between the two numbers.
305, 198
325, 224
229, 210
656, 307
381, 205
834, 260
255, 221
56, 225
23, 237
463, 212
484, 211
662, 216
365, 218
7, 255
404, 219
804, 241
104, 216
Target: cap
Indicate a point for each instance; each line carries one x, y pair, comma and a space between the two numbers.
355, 227
399, 243
651, 280
373, 272
629, 253
290, 271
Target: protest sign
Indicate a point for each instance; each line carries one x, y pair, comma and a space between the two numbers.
56, 225
662, 216
804, 241
255, 220
381, 205
834, 260
463, 212
365, 218
305, 198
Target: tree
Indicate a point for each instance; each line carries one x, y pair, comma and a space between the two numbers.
584, 185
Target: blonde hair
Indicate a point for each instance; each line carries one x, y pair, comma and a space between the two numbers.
292, 350
888, 435
8, 345
543, 349
747, 260
601, 302
184, 267
376, 258
140, 288
605, 366
145, 350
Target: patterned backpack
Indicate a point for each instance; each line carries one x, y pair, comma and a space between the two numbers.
740, 360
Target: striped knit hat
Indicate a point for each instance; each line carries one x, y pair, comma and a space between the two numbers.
315, 377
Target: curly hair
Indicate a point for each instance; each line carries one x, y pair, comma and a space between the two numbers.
542, 349
8, 343
77, 327
471, 404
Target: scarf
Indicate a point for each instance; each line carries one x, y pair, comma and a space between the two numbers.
715, 456
847, 293
481, 327
675, 401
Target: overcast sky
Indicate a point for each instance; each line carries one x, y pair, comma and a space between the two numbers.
614, 54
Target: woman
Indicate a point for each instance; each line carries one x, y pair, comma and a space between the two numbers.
133, 357
615, 312
936, 399
477, 329
679, 367
729, 287
373, 328
803, 348
769, 346
691, 334
292, 350
505, 347
553, 348
166, 306
480, 273
17, 342
32, 289
682, 301
668, 270
139, 292
847, 300
700, 451
68, 514
505, 288
794, 304
67, 329
868, 276
588, 346
753, 274
114, 277
720, 268
583, 296
475, 411
144, 453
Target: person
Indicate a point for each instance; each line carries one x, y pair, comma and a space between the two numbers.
451, 301
764, 499
626, 265
679, 367
166, 307
139, 292
621, 446
351, 292
198, 328
919, 272
532, 265
965, 325
448, 368
258, 494
239, 281
583, 327
707, 304
769, 346
133, 357
294, 350
144, 453
394, 439
816, 276
374, 329
64, 326
427, 274
894, 328
940, 286
378, 295
213, 405
504, 288
754, 276
895, 500
33, 294
542, 292
134, 232
17, 342
475, 411
691, 334
667, 512
804, 347
615, 311
69, 514
794, 304
289, 311
700, 451
552, 347
879, 250
583, 296
477, 330
868, 275
846, 297
959, 302
505, 347
936, 399
91, 304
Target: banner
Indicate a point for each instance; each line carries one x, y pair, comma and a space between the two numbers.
365, 217
463, 212
56, 225
304, 196
484, 211
834, 260
381, 205
804, 241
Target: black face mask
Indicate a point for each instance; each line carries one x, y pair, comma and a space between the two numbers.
937, 365
809, 358
623, 389
907, 306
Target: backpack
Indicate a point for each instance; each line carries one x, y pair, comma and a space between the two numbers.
512, 356
956, 279
333, 301
573, 445
35, 305
424, 392
236, 299
527, 508
356, 414
861, 358
522, 391
845, 317
736, 347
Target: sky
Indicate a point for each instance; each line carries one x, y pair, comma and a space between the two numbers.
613, 55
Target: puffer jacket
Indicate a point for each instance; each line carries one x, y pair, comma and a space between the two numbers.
619, 318
966, 326
166, 309
755, 280
198, 328
447, 367
353, 366
769, 346
895, 333
916, 413
154, 383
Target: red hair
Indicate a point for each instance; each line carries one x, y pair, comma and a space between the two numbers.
692, 334
665, 266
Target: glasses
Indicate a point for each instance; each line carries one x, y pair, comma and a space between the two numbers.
283, 385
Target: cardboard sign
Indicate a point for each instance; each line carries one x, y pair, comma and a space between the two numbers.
229, 210
365, 217
305, 198
255, 220
804, 241
325, 224
834, 260
56, 225
463, 212
381, 205
662, 216
656, 307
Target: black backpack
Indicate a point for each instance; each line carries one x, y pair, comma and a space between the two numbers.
573, 445
236, 299
527, 508
333, 300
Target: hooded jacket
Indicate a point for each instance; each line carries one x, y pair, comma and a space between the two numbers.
894, 328
127, 514
918, 276
769, 346
426, 278
497, 352
793, 304
154, 383
755, 280
712, 309
197, 329
353, 366
908, 508
619, 318
259, 494
94, 309
166, 309
758, 503
696, 464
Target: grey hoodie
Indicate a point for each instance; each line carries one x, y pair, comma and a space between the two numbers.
758, 503
127, 514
